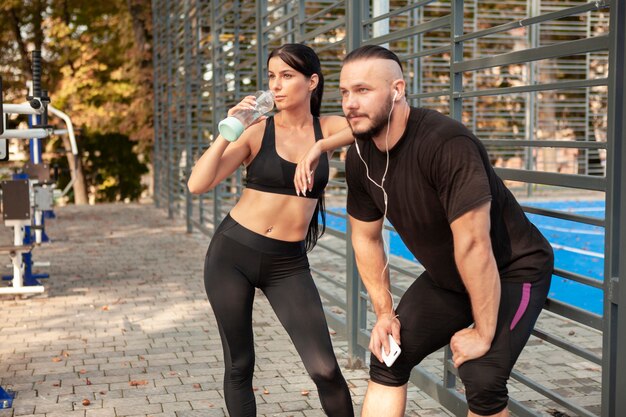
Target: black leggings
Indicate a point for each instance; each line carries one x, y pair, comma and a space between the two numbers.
237, 262
430, 315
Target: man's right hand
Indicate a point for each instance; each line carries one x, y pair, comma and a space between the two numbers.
386, 324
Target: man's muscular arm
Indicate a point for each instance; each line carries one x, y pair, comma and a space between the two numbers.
370, 258
477, 265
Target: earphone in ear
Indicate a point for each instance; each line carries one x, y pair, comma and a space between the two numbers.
395, 95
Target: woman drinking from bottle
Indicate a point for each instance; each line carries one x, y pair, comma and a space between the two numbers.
263, 242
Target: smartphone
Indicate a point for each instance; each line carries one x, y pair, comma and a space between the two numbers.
394, 352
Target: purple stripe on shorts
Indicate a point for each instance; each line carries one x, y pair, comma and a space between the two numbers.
522, 305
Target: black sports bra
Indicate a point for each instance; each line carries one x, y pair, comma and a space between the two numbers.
270, 173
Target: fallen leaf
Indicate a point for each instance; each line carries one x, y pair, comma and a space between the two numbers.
197, 386
266, 391
86, 402
82, 371
55, 359
134, 382
87, 381
56, 384
304, 392
105, 308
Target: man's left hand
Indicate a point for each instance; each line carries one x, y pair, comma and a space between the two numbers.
468, 344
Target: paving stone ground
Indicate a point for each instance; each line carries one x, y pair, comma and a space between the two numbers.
125, 324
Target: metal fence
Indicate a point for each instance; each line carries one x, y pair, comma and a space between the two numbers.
541, 83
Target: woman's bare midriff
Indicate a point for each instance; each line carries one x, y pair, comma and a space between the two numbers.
278, 216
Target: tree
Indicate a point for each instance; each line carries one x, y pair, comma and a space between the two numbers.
97, 61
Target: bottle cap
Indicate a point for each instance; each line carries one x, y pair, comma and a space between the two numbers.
230, 128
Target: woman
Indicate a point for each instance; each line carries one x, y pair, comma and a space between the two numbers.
263, 242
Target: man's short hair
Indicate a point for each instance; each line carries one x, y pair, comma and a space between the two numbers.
371, 51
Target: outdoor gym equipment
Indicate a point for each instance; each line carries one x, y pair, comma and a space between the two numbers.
30, 195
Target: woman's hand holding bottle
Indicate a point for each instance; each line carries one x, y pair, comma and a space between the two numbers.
249, 111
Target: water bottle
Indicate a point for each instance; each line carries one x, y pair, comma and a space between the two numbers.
233, 126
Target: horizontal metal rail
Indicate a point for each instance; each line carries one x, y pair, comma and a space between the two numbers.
592, 282
568, 346
322, 12
554, 396
564, 215
411, 31
576, 47
574, 313
562, 85
397, 11
550, 178
566, 12
545, 143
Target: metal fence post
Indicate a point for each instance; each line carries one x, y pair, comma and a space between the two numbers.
156, 21
614, 334
355, 319
215, 46
456, 112
188, 49
456, 55
170, 123
261, 41
355, 314
354, 13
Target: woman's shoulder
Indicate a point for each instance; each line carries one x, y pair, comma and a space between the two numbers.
332, 124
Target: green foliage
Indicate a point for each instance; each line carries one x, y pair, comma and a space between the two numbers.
111, 166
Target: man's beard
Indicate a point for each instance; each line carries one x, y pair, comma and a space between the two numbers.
379, 122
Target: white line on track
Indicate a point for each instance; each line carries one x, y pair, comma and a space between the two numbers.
578, 231
578, 251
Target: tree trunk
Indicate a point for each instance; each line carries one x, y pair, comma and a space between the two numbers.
139, 10
76, 171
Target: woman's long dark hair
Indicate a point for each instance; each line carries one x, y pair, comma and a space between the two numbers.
304, 60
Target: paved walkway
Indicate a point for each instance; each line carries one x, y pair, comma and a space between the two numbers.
124, 329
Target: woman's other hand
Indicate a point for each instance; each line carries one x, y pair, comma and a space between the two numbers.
305, 170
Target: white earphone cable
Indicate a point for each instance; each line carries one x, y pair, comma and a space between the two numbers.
381, 186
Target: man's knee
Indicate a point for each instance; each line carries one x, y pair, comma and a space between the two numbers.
485, 388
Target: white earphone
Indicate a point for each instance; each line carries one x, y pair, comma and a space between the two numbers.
382, 181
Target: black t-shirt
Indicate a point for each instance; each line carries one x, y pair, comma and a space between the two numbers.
438, 171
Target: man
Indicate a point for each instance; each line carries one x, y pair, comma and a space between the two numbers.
487, 268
